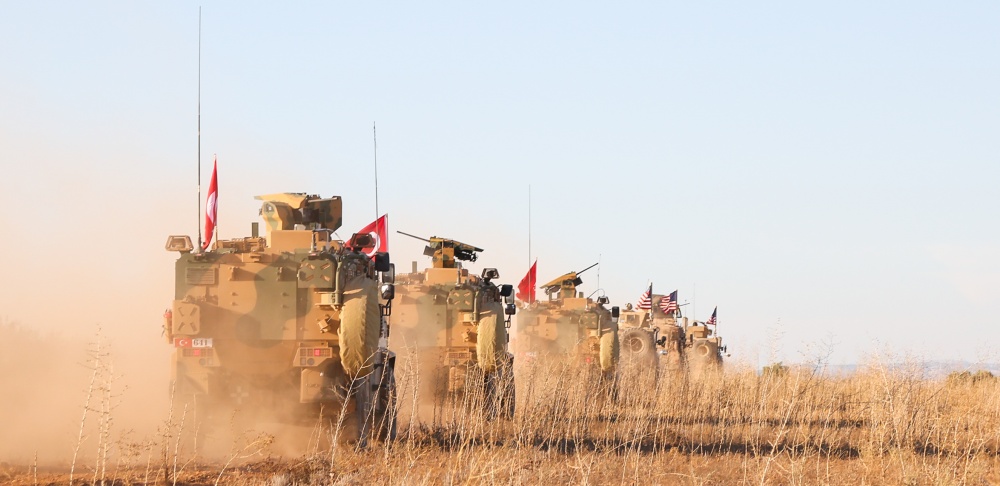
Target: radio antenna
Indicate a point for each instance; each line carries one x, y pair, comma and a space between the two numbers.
598, 270
529, 226
199, 131
375, 143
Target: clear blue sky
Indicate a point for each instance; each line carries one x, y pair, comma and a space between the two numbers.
822, 173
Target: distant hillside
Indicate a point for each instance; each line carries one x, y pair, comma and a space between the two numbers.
932, 369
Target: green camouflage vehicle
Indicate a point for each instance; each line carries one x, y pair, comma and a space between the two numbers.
286, 326
456, 324
567, 323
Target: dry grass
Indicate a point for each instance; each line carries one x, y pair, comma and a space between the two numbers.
882, 425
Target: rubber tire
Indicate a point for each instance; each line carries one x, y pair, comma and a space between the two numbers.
639, 347
491, 338
360, 324
508, 400
384, 397
610, 351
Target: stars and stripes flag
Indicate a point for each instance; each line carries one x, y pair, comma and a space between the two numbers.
646, 301
714, 319
211, 206
668, 304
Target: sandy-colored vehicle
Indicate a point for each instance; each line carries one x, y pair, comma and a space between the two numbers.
286, 328
567, 323
704, 349
457, 324
652, 338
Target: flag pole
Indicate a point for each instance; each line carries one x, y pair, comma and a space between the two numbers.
532, 275
215, 228
200, 249
375, 144
650, 302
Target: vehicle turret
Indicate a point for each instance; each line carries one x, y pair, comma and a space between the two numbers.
295, 210
564, 286
445, 252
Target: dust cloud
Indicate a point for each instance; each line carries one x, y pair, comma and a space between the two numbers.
64, 393
71, 284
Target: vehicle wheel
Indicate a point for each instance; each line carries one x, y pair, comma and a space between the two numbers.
354, 428
509, 399
639, 348
499, 395
384, 406
609, 349
360, 323
491, 337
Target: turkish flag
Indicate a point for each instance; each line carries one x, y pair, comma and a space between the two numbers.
379, 229
526, 289
211, 206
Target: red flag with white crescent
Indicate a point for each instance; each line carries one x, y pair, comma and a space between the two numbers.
526, 289
211, 206
379, 230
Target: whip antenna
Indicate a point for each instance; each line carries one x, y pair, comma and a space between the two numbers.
375, 143
598, 270
199, 131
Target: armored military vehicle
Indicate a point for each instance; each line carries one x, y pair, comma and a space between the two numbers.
567, 323
704, 349
653, 338
457, 323
286, 325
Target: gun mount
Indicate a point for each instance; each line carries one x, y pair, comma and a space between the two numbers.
444, 251
286, 210
564, 286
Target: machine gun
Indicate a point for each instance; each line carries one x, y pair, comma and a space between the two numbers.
444, 252
565, 284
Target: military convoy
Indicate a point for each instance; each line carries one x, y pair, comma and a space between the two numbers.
286, 325
457, 324
294, 325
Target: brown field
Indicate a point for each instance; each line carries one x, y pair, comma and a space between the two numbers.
881, 425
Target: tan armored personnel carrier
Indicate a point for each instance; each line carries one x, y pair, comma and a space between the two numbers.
285, 326
457, 323
567, 323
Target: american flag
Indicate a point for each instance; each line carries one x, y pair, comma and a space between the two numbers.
668, 304
712, 320
646, 301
